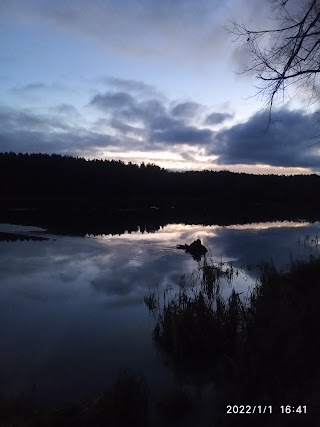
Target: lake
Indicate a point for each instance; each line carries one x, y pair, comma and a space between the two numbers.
72, 311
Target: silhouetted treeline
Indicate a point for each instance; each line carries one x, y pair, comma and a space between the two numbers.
55, 177
76, 196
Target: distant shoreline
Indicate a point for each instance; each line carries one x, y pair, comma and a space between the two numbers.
115, 217
80, 196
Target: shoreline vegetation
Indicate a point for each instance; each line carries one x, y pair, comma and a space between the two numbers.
266, 344
75, 194
260, 350
49, 178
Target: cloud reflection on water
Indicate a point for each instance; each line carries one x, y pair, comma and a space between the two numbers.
71, 309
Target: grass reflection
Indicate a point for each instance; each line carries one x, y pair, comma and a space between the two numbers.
266, 343
197, 322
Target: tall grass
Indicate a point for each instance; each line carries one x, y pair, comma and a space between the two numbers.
196, 322
268, 344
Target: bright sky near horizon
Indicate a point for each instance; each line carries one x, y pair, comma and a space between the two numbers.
143, 80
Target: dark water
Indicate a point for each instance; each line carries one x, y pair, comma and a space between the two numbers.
72, 311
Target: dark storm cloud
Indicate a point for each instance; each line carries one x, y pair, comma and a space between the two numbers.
286, 143
125, 106
164, 122
167, 129
145, 111
186, 109
183, 135
124, 128
69, 143
126, 122
217, 118
160, 125
21, 131
11, 120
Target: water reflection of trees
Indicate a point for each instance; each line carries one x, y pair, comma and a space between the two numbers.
16, 237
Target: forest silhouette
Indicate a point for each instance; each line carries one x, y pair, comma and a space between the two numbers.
80, 194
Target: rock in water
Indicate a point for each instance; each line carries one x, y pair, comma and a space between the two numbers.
196, 249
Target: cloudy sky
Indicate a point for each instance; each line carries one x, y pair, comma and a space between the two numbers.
144, 80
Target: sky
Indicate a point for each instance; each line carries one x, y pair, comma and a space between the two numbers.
145, 81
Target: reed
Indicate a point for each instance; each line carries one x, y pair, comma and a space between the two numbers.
196, 322
268, 344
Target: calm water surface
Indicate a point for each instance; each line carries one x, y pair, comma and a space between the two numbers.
71, 308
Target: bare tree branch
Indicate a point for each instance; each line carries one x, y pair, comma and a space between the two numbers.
291, 55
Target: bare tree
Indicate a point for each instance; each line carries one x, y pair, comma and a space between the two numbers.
288, 53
